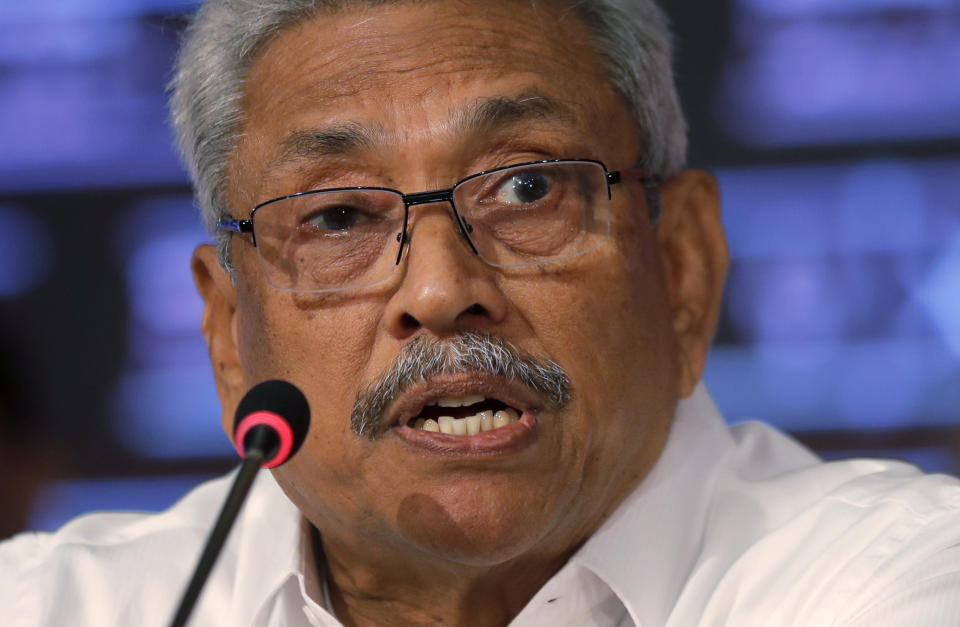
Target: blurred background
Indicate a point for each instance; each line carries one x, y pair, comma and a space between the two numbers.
833, 127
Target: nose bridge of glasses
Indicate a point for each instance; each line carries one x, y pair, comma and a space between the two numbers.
435, 196
423, 198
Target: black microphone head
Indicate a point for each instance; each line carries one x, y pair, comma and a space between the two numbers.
279, 406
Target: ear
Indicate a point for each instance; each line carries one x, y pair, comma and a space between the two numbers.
695, 255
219, 327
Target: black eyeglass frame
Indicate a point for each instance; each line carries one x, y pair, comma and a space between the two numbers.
651, 185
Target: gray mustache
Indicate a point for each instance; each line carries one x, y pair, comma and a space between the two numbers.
424, 358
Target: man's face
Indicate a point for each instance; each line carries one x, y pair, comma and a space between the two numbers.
407, 79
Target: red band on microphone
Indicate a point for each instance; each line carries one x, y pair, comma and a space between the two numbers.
273, 421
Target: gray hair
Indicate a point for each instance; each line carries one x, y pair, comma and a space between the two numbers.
225, 37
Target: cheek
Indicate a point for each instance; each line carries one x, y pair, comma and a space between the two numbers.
313, 345
323, 350
608, 326
607, 319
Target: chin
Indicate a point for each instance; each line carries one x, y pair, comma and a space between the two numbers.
472, 528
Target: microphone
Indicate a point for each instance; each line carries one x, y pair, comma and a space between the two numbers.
270, 425
273, 418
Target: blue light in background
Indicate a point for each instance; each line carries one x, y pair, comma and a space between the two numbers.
827, 251
784, 385
820, 8
838, 272
940, 295
160, 286
74, 10
165, 403
69, 43
882, 207
849, 209
154, 243
866, 385
26, 253
879, 385
169, 413
83, 96
822, 73
60, 502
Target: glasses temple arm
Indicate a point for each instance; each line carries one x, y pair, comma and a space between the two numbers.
651, 186
238, 226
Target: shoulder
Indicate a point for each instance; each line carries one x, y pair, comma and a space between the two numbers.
787, 483
824, 542
84, 569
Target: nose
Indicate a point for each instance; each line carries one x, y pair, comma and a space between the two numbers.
446, 287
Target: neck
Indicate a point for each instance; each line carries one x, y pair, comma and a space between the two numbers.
406, 591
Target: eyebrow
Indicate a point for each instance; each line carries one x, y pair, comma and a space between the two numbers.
335, 141
501, 112
483, 117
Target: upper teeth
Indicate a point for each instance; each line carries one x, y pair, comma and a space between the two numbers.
458, 402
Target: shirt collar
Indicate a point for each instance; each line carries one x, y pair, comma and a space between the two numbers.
646, 549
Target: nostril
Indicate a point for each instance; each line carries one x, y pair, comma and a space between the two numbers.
476, 309
409, 323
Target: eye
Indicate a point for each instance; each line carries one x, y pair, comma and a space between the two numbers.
523, 188
339, 218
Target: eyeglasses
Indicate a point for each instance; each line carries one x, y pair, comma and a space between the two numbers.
352, 237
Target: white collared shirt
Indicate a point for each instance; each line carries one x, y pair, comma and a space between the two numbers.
734, 526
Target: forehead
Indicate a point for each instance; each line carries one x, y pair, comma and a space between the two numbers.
401, 73
354, 50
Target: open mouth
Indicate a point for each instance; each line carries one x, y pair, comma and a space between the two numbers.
466, 415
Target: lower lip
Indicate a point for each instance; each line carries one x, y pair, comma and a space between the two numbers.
506, 439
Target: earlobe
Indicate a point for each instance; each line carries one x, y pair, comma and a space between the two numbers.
695, 255
219, 325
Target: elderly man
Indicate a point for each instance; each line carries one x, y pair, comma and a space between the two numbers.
463, 229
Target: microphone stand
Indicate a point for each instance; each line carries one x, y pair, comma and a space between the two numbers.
260, 439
